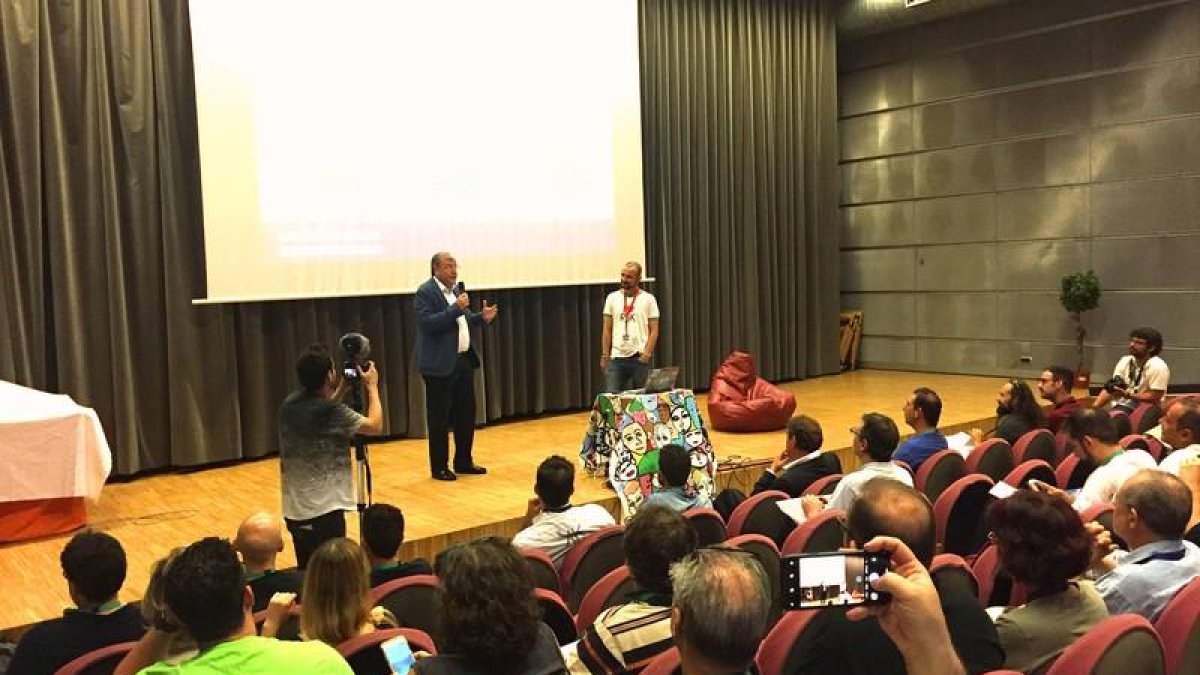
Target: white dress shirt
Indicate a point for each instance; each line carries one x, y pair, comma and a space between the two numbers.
851, 484
1173, 461
464, 333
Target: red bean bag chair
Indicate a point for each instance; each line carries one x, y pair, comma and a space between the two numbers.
740, 400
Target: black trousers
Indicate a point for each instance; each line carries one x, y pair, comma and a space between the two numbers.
308, 535
450, 404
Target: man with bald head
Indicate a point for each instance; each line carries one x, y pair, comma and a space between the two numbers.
629, 334
259, 540
1151, 511
719, 612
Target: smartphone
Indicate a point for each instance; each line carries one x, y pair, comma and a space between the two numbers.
350, 368
842, 579
398, 654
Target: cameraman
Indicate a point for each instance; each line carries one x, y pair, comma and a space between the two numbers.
1141, 376
315, 433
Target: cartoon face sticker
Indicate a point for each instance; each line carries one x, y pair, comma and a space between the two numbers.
694, 438
623, 466
662, 435
634, 438
633, 496
699, 458
681, 419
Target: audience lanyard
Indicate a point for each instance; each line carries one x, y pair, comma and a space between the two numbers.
1173, 556
627, 310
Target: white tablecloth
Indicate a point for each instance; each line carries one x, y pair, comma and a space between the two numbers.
50, 446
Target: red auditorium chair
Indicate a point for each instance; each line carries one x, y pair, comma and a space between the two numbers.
740, 400
1072, 472
768, 556
542, 569
365, 656
759, 515
611, 590
1120, 418
1179, 628
823, 486
1036, 444
1125, 644
823, 532
709, 526
1062, 445
1150, 444
414, 600
958, 514
102, 660
589, 560
946, 565
1034, 468
992, 458
784, 640
1144, 417
939, 472
996, 588
556, 615
665, 663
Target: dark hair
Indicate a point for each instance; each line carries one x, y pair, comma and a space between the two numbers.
1042, 542
489, 614
674, 464
1153, 338
313, 367
806, 432
1190, 418
94, 563
555, 481
382, 530
1025, 405
1161, 499
887, 507
880, 435
204, 590
1092, 422
929, 403
656, 537
1063, 375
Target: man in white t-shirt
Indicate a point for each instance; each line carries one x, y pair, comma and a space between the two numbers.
1093, 436
630, 333
552, 524
1143, 374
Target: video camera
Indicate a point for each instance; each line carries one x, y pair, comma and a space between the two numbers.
1115, 383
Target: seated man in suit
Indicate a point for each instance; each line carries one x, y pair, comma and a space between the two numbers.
799, 465
383, 533
259, 540
93, 564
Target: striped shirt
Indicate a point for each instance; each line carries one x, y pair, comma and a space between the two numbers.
624, 639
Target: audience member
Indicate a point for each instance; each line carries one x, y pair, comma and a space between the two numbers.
1181, 431
1093, 436
157, 614
625, 638
1016, 414
93, 563
259, 540
922, 410
1143, 375
337, 597
887, 508
798, 466
383, 533
1055, 386
1151, 511
674, 467
552, 524
874, 442
719, 615
1189, 473
1043, 544
491, 623
205, 592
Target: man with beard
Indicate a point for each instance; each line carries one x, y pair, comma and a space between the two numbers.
1016, 413
1055, 386
625, 352
1143, 374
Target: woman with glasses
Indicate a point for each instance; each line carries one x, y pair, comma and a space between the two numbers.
1042, 543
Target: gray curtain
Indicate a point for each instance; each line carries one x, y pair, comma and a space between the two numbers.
101, 232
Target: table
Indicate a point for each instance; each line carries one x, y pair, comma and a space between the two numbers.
53, 454
625, 433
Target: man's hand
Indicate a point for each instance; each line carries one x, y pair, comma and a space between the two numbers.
812, 505
533, 508
369, 374
1039, 486
778, 462
277, 613
489, 311
1102, 546
463, 300
645, 357
976, 437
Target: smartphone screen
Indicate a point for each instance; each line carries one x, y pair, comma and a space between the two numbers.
398, 654
350, 369
832, 579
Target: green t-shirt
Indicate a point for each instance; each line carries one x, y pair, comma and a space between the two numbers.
252, 655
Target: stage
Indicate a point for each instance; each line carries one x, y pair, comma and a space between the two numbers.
152, 515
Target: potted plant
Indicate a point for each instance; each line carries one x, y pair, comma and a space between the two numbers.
1080, 293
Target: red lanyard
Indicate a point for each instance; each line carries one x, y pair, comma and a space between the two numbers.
627, 306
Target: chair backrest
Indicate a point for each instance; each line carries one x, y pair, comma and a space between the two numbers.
414, 600
1034, 468
103, 660
992, 458
1179, 627
824, 485
1144, 417
1062, 445
1125, 644
823, 532
709, 526
556, 615
768, 556
759, 515
590, 559
958, 515
1150, 444
949, 564
542, 568
609, 591
1121, 421
665, 663
939, 472
1035, 444
776, 648
995, 588
1068, 473
365, 655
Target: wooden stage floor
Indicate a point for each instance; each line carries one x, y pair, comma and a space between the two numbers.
152, 515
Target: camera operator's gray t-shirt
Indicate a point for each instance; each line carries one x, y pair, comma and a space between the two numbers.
314, 455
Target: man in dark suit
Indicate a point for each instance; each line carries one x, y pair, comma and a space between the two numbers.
801, 462
446, 361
